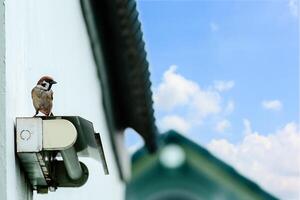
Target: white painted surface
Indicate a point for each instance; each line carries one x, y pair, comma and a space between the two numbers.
52, 130
3, 170
49, 38
29, 135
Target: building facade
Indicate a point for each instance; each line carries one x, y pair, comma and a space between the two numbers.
81, 44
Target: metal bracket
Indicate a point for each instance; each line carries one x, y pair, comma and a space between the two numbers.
40, 139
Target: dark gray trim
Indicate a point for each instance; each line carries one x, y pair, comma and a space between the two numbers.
118, 48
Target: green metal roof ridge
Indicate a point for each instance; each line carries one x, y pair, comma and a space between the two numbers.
174, 137
118, 48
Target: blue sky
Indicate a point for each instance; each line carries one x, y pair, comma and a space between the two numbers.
229, 63
255, 44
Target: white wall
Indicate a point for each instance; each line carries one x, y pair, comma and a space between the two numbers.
3, 176
49, 37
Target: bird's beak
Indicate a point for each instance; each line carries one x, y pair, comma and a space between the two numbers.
53, 82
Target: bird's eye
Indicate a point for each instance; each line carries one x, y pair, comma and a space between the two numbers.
44, 84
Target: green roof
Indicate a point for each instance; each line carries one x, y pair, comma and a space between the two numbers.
201, 176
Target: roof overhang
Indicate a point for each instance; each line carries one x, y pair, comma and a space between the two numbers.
118, 48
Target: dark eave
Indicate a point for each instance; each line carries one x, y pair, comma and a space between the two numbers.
118, 48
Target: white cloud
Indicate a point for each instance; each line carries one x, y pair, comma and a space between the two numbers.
247, 127
294, 7
222, 125
176, 123
206, 103
222, 86
272, 104
176, 91
271, 160
182, 104
214, 27
229, 107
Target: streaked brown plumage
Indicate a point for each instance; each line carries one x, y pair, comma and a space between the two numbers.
42, 95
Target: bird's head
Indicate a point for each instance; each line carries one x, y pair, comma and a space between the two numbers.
46, 82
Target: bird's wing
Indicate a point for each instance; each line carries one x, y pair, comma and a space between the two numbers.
32, 93
36, 97
51, 94
36, 93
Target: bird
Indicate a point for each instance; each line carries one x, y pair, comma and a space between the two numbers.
42, 96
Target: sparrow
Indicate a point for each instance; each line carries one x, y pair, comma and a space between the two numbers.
42, 96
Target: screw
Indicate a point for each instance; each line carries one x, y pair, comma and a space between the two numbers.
25, 135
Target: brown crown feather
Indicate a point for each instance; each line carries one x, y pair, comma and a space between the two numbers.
45, 78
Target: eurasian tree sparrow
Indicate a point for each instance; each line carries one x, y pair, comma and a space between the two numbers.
42, 96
